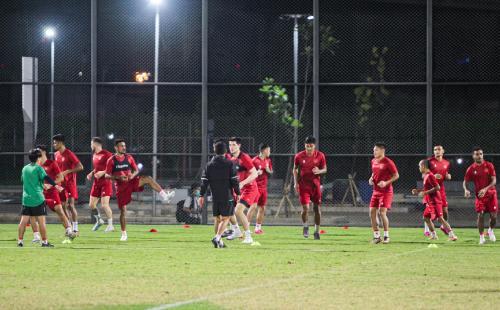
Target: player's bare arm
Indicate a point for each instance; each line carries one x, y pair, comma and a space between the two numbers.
78, 168
393, 179
253, 175
466, 190
492, 184
318, 171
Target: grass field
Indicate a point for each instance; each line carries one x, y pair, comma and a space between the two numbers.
180, 267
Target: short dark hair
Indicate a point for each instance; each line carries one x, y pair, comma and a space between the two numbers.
310, 140
235, 139
220, 148
477, 148
438, 144
263, 146
34, 154
42, 147
380, 145
97, 140
118, 141
59, 138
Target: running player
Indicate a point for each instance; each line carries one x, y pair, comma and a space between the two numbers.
34, 210
384, 173
249, 192
264, 167
70, 165
431, 194
308, 167
102, 188
440, 168
483, 174
121, 168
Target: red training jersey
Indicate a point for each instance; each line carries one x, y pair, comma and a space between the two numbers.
100, 160
120, 165
67, 160
51, 168
306, 163
430, 182
261, 164
243, 165
383, 170
441, 167
481, 175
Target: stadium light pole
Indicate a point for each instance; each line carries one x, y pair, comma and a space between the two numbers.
50, 33
157, 4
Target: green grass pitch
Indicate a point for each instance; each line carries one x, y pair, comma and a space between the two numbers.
178, 267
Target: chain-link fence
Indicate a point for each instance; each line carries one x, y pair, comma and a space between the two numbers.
409, 73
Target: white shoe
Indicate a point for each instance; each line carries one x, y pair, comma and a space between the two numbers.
123, 238
482, 241
248, 240
36, 240
493, 238
98, 224
166, 196
109, 228
235, 235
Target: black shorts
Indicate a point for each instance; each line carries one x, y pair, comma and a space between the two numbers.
223, 208
34, 211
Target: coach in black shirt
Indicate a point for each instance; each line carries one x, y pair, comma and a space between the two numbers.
220, 174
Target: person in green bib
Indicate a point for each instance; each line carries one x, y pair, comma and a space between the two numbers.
34, 209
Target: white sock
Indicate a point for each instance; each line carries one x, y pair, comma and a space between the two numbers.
386, 234
433, 233
376, 234
258, 226
45, 241
36, 235
110, 222
75, 226
306, 225
490, 231
124, 232
235, 227
247, 233
426, 228
316, 228
217, 238
19, 240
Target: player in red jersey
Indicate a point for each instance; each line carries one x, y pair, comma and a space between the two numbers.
432, 200
51, 194
384, 173
102, 188
70, 165
483, 174
248, 186
308, 167
440, 167
121, 168
264, 167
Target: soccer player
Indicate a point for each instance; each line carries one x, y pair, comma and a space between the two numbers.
70, 165
34, 210
384, 173
431, 194
308, 167
121, 168
248, 186
483, 174
221, 176
264, 167
102, 188
440, 167
51, 194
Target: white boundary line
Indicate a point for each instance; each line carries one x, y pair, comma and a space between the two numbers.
271, 283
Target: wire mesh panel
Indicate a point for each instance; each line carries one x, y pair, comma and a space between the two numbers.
23, 26
466, 116
352, 119
126, 112
11, 119
398, 27
251, 40
465, 40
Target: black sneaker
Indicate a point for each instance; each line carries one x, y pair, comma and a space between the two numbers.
316, 236
47, 245
215, 243
20, 244
221, 244
305, 231
376, 240
227, 233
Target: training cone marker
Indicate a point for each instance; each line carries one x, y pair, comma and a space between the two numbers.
345, 227
322, 232
153, 230
187, 226
66, 241
433, 246
255, 243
